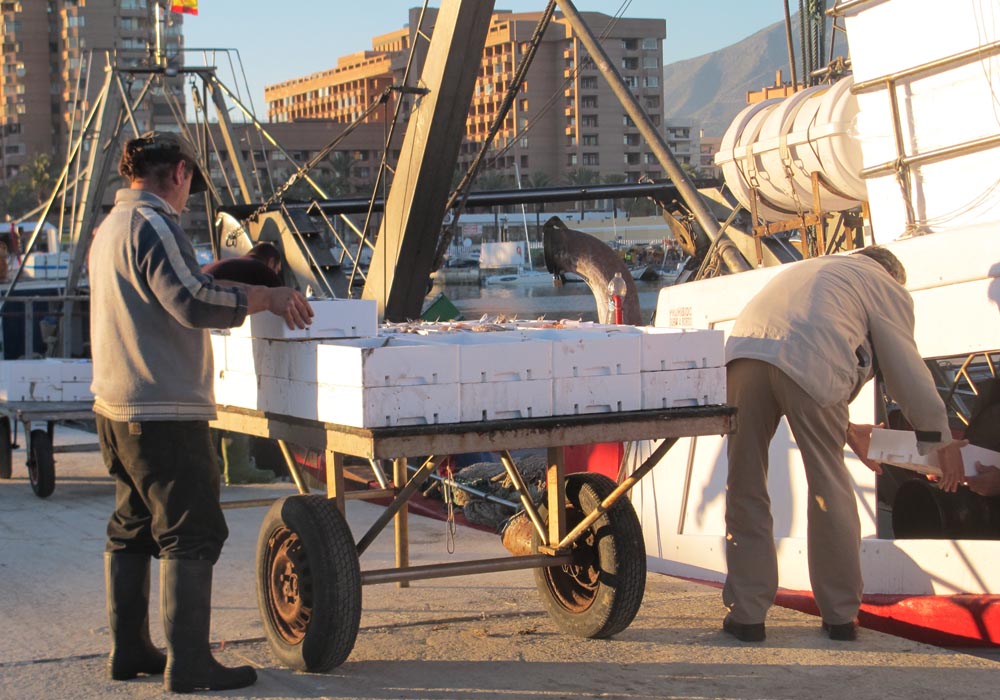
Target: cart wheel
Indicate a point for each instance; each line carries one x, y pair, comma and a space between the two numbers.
6, 451
308, 583
599, 594
41, 465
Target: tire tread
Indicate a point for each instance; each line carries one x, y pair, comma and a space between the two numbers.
333, 557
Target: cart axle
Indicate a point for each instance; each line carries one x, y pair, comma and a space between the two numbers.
463, 568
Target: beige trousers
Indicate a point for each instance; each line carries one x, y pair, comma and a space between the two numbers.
763, 394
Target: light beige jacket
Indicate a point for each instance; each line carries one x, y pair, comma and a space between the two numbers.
821, 322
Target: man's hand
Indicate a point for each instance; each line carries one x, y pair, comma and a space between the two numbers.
280, 301
987, 480
952, 465
859, 437
291, 306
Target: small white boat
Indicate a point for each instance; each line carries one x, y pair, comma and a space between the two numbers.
524, 278
674, 272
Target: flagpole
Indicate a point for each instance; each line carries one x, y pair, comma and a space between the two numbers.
159, 44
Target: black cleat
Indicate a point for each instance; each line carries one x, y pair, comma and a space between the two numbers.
753, 632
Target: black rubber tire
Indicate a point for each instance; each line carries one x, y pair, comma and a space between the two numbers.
41, 464
599, 595
6, 450
308, 583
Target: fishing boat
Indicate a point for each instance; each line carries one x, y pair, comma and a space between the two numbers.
908, 137
521, 278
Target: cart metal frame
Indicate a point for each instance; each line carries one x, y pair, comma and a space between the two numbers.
39, 445
434, 443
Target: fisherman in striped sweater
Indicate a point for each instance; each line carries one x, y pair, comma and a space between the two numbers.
151, 308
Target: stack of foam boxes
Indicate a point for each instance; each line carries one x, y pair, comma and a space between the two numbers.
47, 266
340, 371
51, 379
529, 371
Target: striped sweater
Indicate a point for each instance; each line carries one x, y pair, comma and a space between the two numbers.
150, 311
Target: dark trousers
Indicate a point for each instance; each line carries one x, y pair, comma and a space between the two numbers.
166, 489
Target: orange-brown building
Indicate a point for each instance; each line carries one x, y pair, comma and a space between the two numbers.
50, 47
566, 125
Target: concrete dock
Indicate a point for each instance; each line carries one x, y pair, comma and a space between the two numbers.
479, 637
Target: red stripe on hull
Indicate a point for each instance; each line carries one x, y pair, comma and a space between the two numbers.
952, 621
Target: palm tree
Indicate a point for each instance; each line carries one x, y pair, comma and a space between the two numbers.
536, 180
29, 188
581, 177
491, 180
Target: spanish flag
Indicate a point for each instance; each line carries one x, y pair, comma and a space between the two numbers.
188, 7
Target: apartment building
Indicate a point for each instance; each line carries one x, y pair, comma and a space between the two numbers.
566, 125
55, 51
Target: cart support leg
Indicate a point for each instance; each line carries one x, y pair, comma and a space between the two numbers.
529, 507
620, 490
293, 468
401, 522
402, 496
555, 479
335, 479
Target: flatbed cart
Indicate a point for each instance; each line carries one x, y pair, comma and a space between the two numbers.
587, 549
40, 449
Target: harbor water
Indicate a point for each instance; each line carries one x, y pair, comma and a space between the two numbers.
572, 301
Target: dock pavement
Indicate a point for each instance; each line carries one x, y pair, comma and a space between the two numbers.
483, 637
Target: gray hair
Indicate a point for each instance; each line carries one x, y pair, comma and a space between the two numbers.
887, 260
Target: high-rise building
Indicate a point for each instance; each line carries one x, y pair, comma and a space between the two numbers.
566, 125
54, 54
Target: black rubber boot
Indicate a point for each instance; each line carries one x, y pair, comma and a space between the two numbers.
186, 604
126, 579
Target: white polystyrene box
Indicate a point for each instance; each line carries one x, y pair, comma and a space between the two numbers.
260, 392
217, 340
288, 359
375, 407
608, 394
29, 370
332, 318
76, 391
31, 391
354, 406
684, 387
899, 448
586, 353
501, 356
666, 349
287, 397
236, 389
506, 400
37, 266
386, 361
75, 370
58, 265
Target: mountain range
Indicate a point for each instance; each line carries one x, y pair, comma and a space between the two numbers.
711, 89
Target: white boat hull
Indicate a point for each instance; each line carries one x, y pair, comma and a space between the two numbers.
955, 282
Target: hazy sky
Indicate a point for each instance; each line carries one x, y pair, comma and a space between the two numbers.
289, 38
